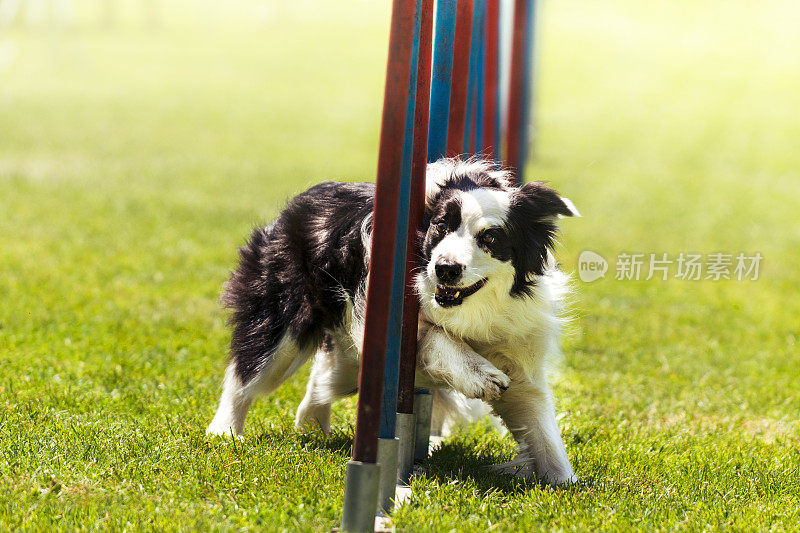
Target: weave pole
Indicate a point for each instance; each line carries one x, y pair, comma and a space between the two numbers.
480, 104
491, 80
442, 75
473, 126
389, 440
405, 422
440, 83
460, 77
528, 130
519, 88
363, 471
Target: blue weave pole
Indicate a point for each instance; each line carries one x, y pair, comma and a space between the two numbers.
528, 121
438, 123
479, 93
391, 374
473, 127
441, 78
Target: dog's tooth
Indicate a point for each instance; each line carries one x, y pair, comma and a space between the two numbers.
457, 294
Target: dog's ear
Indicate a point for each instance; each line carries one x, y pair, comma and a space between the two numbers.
543, 202
533, 211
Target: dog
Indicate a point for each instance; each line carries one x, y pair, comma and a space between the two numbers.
491, 305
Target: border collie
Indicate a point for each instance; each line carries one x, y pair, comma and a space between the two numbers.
491, 300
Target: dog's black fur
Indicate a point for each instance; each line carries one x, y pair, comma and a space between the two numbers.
292, 274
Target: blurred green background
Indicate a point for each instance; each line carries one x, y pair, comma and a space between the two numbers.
140, 141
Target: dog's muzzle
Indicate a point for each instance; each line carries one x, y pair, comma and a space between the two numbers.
447, 296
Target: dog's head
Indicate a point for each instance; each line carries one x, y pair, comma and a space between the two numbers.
485, 238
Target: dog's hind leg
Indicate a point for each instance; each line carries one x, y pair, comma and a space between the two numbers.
334, 374
315, 409
238, 391
233, 405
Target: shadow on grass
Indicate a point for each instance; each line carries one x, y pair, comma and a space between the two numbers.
337, 441
460, 460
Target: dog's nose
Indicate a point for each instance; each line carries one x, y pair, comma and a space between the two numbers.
448, 272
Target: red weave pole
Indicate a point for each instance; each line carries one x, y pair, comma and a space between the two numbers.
516, 89
408, 341
460, 77
384, 226
491, 80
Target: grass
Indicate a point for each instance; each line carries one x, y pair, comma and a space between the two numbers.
134, 160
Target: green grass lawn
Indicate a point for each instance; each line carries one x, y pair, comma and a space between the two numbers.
134, 160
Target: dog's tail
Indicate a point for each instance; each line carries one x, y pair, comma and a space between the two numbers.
258, 302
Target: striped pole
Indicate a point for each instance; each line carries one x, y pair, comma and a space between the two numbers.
515, 121
491, 81
460, 77
480, 97
473, 132
441, 78
362, 475
405, 424
441, 81
528, 129
388, 444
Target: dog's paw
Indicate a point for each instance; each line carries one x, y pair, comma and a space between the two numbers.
563, 481
486, 383
525, 470
223, 430
313, 419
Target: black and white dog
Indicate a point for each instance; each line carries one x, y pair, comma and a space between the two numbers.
491, 305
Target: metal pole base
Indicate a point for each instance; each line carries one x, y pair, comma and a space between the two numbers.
404, 428
387, 459
423, 408
360, 496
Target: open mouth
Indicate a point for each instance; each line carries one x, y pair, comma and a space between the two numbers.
453, 296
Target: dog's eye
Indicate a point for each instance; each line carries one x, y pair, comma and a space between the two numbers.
487, 238
441, 227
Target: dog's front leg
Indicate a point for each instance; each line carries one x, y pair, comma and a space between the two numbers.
528, 412
446, 361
